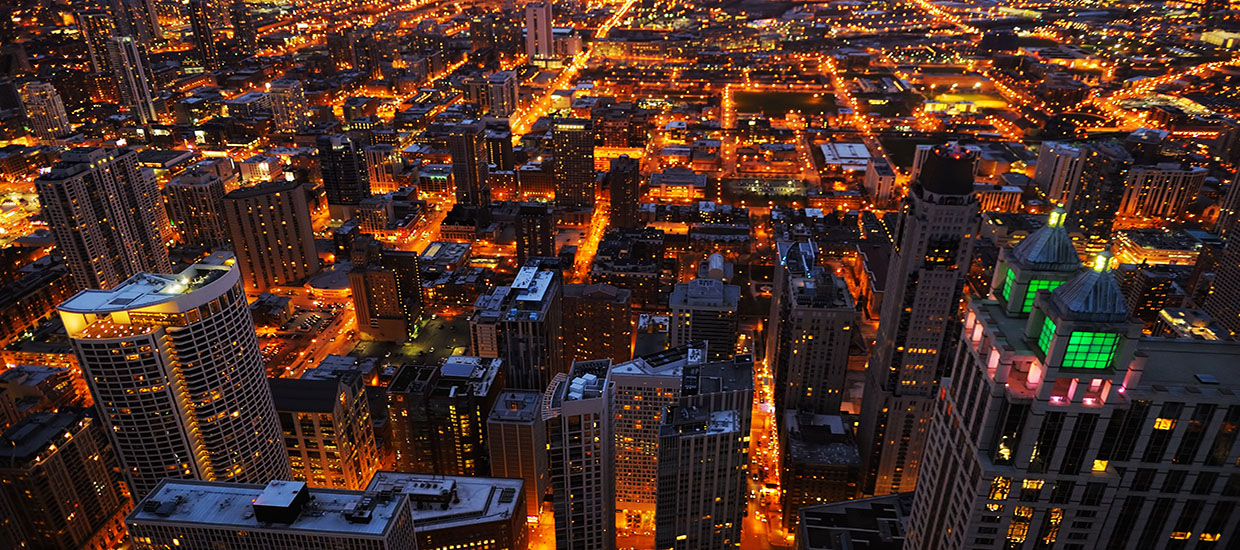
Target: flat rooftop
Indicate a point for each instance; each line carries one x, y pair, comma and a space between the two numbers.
478, 499
147, 289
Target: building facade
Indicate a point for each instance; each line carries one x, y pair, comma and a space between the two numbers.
522, 323
579, 446
517, 444
327, 430
705, 310
272, 234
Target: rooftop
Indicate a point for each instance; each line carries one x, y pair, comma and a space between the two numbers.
469, 500
148, 289
37, 433
517, 406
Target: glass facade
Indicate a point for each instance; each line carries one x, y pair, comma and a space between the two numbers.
1090, 350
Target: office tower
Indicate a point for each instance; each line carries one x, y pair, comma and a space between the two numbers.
572, 146
702, 469
461, 511
624, 181
97, 27
933, 249
105, 213
245, 27
438, 415
539, 43
1059, 165
1065, 428
201, 515
173, 364
580, 448
1223, 301
535, 232
205, 38
517, 444
45, 111
642, 390
812, 314
502, 93
1096, 195
1229, 210
469, 163
705, 309
272, 234
344, 174
56, 479
383, 167
195, 202
1161, 190
289, 108
522, 324
598, 323
818, 462
131, 71
327, 431
387, 293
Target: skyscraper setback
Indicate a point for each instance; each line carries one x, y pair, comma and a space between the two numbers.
933, 249
173, 363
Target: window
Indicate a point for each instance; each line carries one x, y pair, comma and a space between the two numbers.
1007, 285
1048, 332
1034, 286
1090, 350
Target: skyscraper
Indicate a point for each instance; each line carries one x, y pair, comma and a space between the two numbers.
572, 145
327, 430
535, 232
469, 163
438, 414
132, 74
579, 443
502, 93
624, 184
245, 27
812, 313
196, 203
1060, 426
539, 38
201, 18
344, 174
173, 364
97, 27
598, 322
272, 234
105, 213
517, 444
1096, 195
521, 323
289, 107
925, 279
55, 477
45, 111
1058, 166
387, 291
1160, 190
705, 309
1223, 302
137, 19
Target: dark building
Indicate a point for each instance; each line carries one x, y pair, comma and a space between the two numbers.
1095, 197
819, 462
438, 415
201, 18
878, 523
597, 323
345, 178
535, 226
466, 144
572, 146
387, 290
624, 184
634, 259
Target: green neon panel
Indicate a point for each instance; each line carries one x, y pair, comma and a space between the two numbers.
1090, 350
1007, 286
1044, 339
1034, 286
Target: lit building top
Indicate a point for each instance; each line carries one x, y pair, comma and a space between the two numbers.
160, 292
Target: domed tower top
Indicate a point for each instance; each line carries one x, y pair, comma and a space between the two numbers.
948, 170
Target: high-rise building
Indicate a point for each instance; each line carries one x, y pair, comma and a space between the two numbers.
327, 430
925, 279
344, 174
880, 181
45, 111
580, 448
469, 163
272, 234
289, 107
624, 183
438, 415
96, 27
245, 27
522, 324
1060, 426
706, 310
133, 81
451, 512
1160, 190
173, 364
812, 315
1229, 211
195, 202
136, 18
598, 323
502, 93
1096, 195
535, 232
201, 515
387, 290
818, 462
201, 18
383, 167
572, 146
539, 33
1058, 166
517, 444
105, 213
1223, 301
56, 479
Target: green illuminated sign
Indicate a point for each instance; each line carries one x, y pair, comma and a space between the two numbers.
1090, 350
1048, 332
